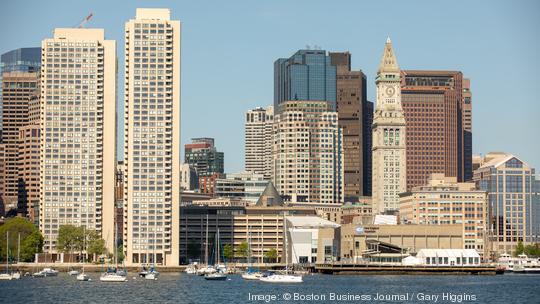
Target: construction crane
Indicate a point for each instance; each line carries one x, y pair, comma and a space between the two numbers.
85, 20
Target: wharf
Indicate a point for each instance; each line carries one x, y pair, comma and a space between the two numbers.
371, 268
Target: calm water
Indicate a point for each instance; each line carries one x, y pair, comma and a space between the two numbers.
182, 288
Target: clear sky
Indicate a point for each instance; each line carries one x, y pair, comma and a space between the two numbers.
228, 50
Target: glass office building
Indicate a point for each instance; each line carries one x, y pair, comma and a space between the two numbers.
307, 75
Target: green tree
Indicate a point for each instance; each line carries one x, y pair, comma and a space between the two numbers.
120, 253
23, 227
30, 246
243, 250
228, 252
271, 255
95, 245
519, 249
531, 251
70, 238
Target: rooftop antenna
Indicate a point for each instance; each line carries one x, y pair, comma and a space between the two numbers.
83, 22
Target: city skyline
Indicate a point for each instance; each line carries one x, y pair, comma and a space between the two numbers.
481, 54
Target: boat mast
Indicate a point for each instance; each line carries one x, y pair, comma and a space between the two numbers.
206, 243
286, 247
7, 251
18, 249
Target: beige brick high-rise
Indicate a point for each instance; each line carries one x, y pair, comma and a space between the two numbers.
152, 138
308, 152
77, 114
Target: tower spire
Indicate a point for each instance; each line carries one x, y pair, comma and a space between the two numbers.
388, 60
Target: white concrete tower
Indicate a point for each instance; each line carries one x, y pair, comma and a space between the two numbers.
152, 139
389, 161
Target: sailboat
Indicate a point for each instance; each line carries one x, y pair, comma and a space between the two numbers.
17, 275
114, 274
83, 276
283, 278
152, 273
250, 274
6, 275
206, 269
220, 274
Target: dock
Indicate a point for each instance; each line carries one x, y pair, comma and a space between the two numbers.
370, 268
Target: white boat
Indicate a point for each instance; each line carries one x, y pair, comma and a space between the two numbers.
73, 272
114, 274
5, 276
83, 277
252, 276
191, 269
16, 276
49, 272
206, 270
283, 278
38, 274
522, 263
112, 277
219, 273
217, 276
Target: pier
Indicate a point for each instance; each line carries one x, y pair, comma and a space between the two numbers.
372, 268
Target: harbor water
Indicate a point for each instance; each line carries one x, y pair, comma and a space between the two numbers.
183, 288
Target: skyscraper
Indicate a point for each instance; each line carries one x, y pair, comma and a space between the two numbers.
258, 141
389, 158
513, 202
467, 131
307, 75
368, 146
433, 106
29, 149
78, 103
308, 152
152, 138
17, 89
350, 103
19, 60
208, 162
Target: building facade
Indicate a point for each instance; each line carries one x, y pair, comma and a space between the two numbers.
513, 202
78, 110
152, 138
433, 105
443, 201
188, 178
350, 99
467, 130
368, 147
18, 88
389, 154
307, 75
27, 60
208, 162
258, 141
246, 185
308, 152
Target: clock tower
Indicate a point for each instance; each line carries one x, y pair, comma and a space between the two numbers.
389, 158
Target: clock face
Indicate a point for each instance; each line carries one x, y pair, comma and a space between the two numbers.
390, 91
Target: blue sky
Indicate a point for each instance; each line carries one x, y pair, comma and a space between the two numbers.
228, 50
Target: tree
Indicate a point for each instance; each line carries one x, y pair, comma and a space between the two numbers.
23, 227
243, 250
120, 253
519, 249
228, 252
271, 255
95, 245
70, 238
31, 245
532, 251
